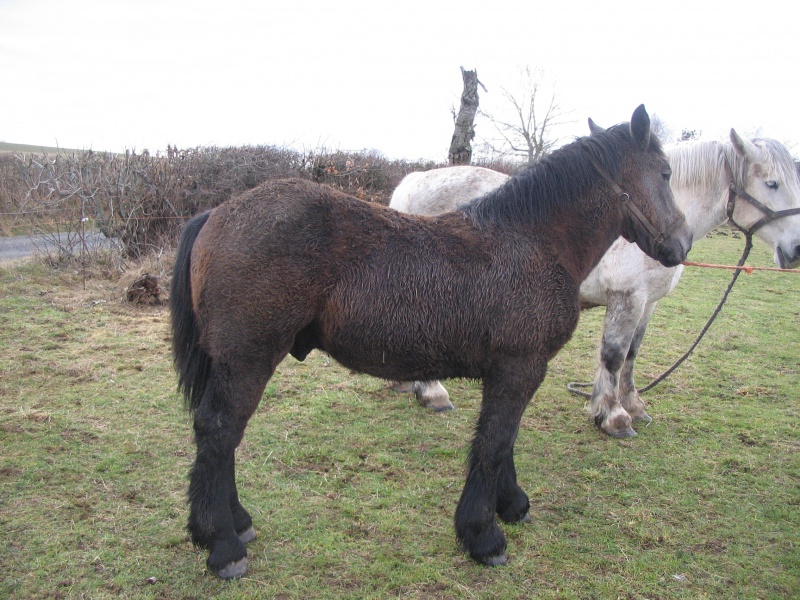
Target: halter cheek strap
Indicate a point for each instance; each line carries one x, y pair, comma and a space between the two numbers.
630, 209
734, 191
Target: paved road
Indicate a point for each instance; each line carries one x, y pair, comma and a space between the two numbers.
29, 245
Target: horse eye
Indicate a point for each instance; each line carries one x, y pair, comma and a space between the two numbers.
666, 175
773, 185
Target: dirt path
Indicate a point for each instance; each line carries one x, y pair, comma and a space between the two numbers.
28, 245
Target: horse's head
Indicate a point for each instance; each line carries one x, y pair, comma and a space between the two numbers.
767, 174
651, 218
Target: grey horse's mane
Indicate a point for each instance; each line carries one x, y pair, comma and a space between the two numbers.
700, 163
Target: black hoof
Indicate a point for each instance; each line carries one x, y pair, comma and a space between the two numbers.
495, 561
234, 570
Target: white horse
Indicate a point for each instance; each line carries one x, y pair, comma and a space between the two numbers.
626, 281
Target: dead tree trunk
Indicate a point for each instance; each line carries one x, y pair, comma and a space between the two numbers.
461, 144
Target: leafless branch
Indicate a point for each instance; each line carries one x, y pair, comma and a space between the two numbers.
534, 116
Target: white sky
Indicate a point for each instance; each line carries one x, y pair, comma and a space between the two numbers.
115, 74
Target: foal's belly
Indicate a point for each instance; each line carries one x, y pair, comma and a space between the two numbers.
391, 350
460, 343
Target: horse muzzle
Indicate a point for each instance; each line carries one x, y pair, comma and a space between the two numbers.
787, 260
673, 249
669, 246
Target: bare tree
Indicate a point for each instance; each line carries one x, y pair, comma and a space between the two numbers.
533, 113
461, 145
690, 134
661, 129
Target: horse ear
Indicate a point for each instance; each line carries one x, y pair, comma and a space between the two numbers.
640, 127
744, 148
594, 127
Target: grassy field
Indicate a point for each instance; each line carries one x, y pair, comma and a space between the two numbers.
34, 149
353, 488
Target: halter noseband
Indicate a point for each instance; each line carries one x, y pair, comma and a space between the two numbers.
735, 191
630, 208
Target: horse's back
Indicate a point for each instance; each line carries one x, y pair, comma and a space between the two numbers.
441, 190
292, 243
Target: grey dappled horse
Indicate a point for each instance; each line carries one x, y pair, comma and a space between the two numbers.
627, 281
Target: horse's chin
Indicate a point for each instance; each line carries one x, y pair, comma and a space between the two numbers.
672, 259
787, 262
670, 253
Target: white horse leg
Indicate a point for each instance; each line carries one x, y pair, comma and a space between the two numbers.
629, 397
623, 313
402, 387
430, 394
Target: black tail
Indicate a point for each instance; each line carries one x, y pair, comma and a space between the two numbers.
191, 361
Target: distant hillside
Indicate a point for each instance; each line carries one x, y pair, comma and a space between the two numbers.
33, 149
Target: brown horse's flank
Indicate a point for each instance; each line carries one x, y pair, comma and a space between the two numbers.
489, 291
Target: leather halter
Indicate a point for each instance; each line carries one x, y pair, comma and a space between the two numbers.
735, 191
630, 209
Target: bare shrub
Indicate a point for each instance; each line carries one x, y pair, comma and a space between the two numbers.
367, 174
140, 201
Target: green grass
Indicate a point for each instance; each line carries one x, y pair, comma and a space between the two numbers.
353, 488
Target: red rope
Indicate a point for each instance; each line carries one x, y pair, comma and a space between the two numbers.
746, 269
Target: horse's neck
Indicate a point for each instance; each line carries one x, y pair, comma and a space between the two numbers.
701, 192
704, 210
588, 236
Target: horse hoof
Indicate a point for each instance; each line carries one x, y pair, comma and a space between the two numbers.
621, 433
234, 569
431, 394
495, 561
402, 387
247, 536
527, 518
616, 424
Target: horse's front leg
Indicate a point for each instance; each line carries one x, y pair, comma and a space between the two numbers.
628, 396
491, 485
623, 313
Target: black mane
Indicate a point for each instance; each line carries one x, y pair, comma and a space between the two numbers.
556, 179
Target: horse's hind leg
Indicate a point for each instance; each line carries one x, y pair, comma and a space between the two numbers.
512, 503
242, 521
622, 317
629, 397
430, 394
217, 520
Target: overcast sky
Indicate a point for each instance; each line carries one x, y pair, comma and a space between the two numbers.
114, 74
